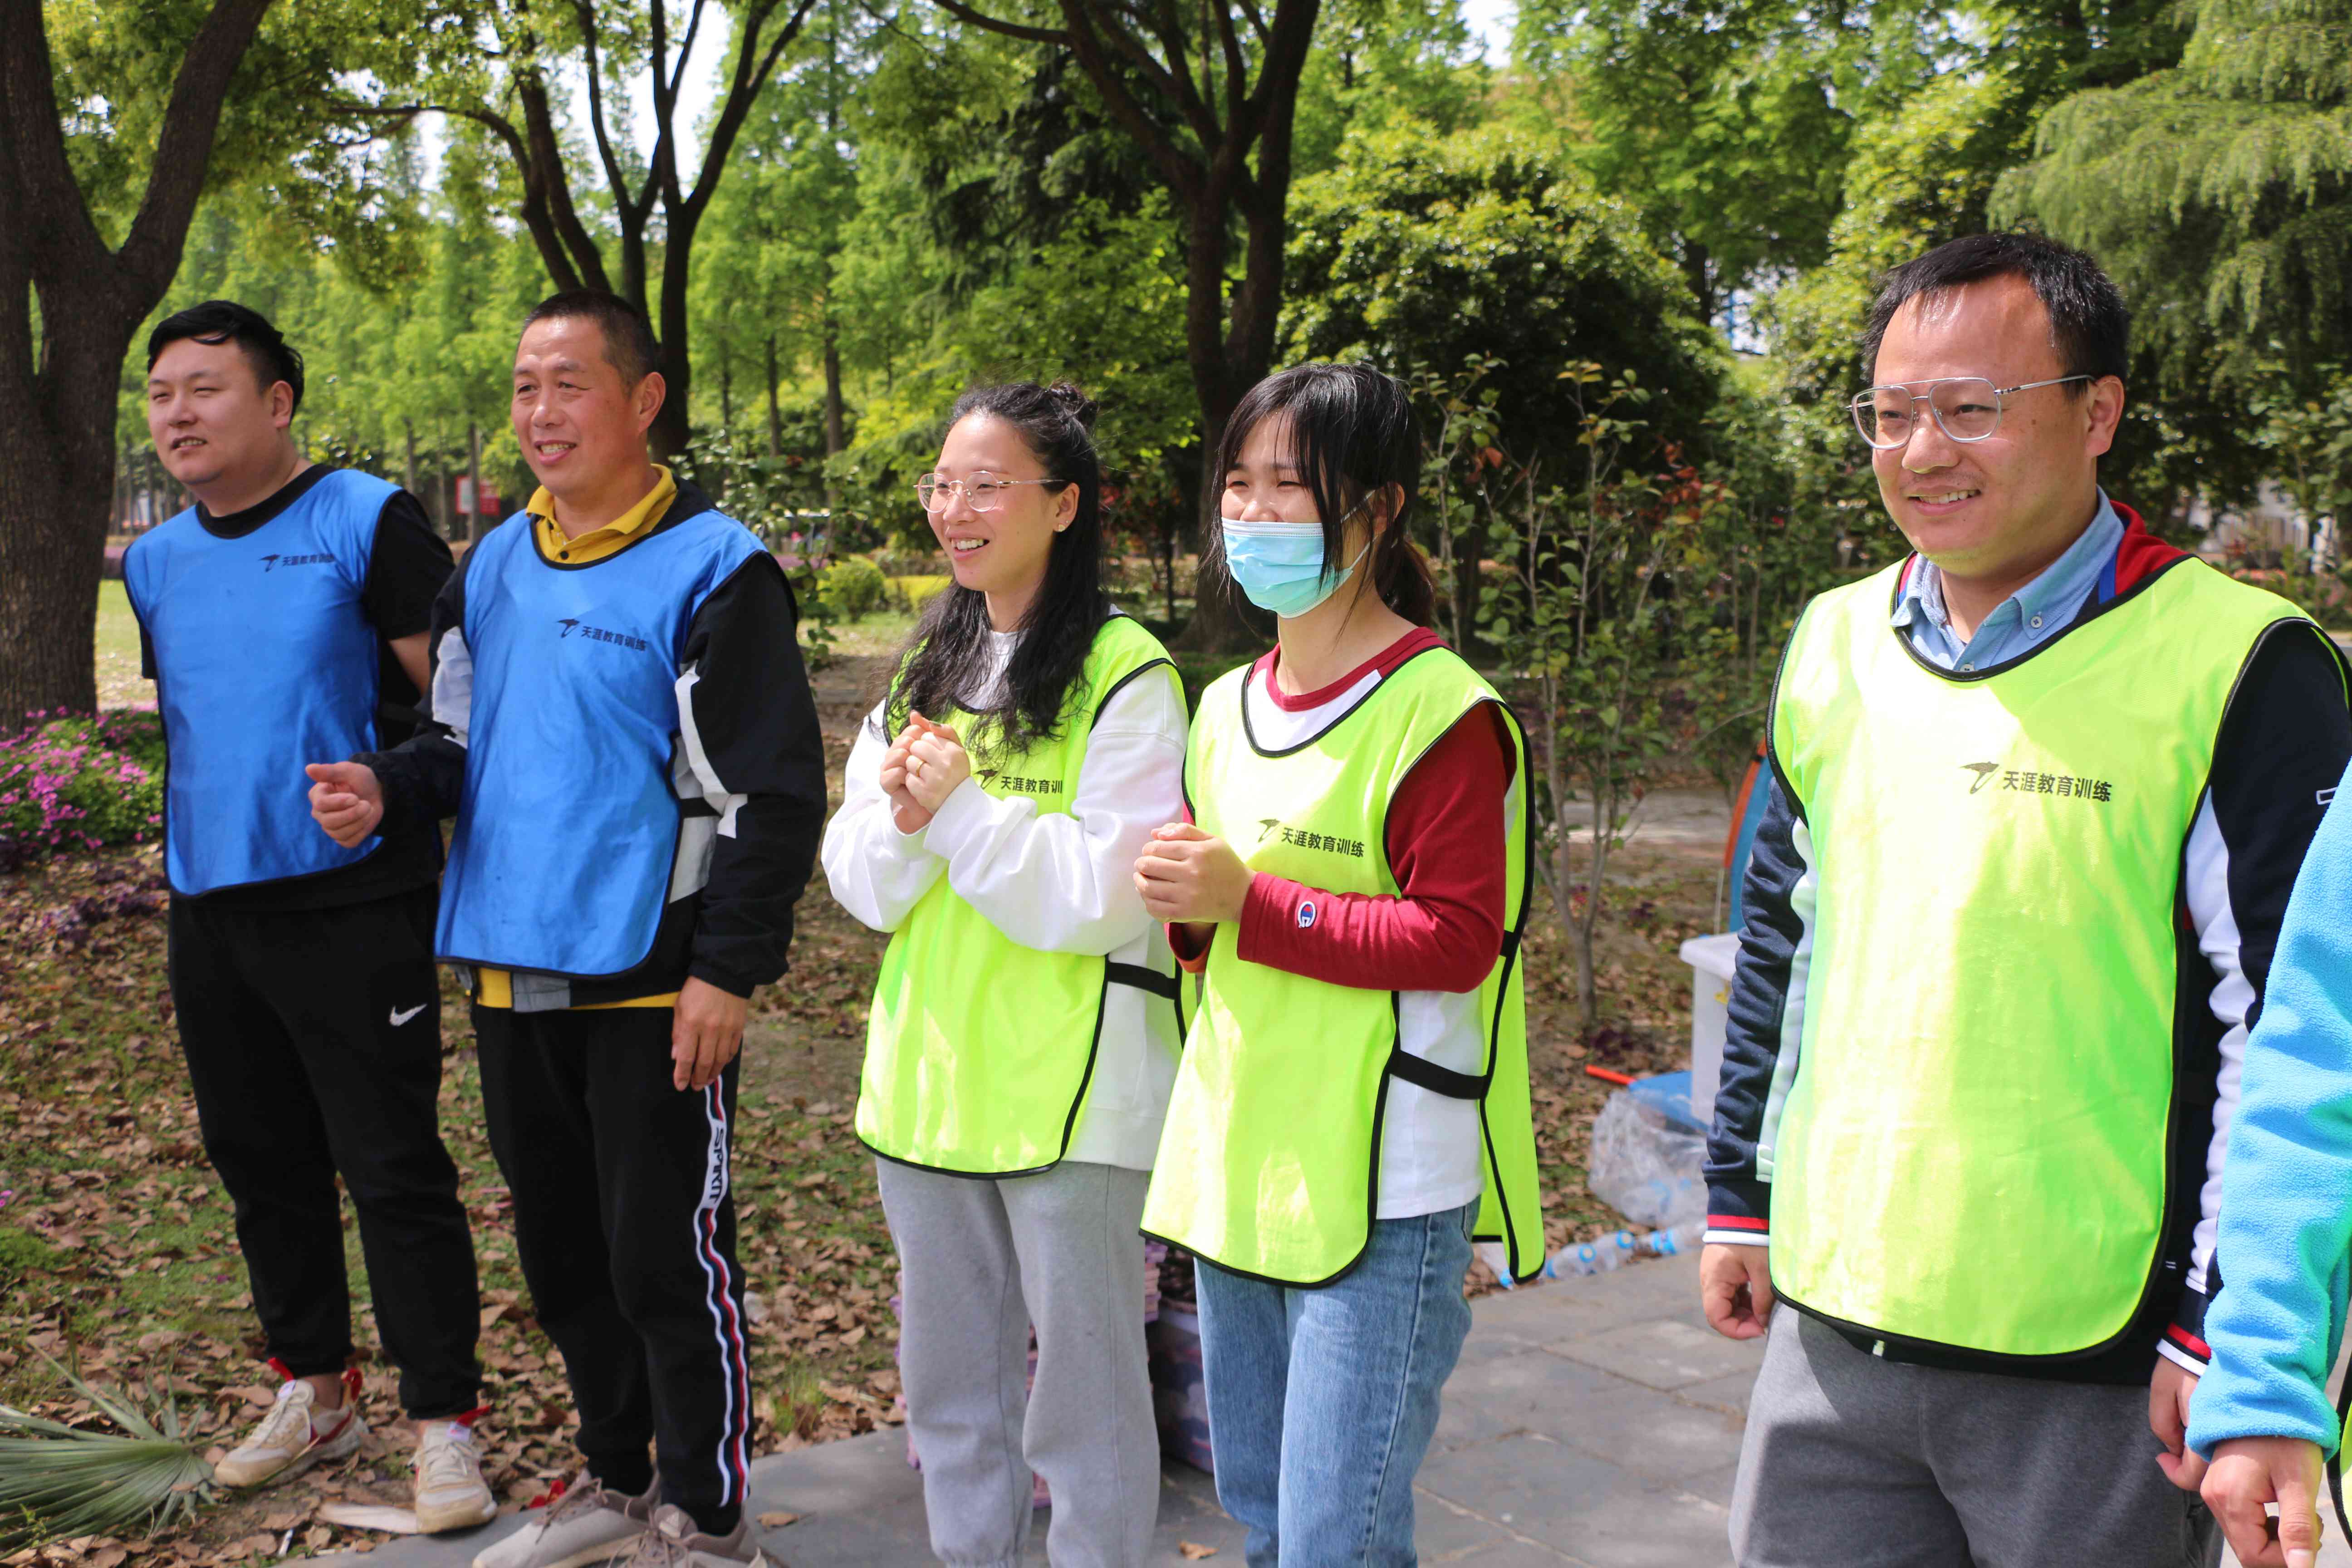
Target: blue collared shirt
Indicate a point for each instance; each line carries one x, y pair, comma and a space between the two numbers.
2024, 620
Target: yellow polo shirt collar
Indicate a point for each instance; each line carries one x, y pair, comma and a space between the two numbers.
599, 543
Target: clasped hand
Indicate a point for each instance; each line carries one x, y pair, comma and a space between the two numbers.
923, 766
1187, 877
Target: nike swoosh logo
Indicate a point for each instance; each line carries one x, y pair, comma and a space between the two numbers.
399, 1017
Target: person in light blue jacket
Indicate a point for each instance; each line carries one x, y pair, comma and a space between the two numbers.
2261, 1420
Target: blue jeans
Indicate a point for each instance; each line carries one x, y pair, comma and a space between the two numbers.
1322, 1403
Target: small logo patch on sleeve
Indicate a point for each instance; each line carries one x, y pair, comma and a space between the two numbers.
1305, 913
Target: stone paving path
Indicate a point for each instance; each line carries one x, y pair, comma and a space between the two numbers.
1590, 1422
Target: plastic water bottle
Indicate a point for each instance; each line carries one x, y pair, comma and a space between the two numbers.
1599, 1256
1615, 1250
1672, 1243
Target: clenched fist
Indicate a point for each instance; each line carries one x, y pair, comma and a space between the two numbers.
346, 801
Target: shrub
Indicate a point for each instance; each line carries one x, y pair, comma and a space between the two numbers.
852, 587
69, 783
908, 563
917, 592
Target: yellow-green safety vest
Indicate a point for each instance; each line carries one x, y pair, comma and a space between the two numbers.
979, 1050
1970, 1143
1269, 1162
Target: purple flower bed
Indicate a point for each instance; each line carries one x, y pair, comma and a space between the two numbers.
70, 784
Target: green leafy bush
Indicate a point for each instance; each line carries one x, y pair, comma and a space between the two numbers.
852, 587
915, 592
71, 782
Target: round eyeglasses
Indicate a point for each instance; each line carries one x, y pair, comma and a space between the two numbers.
1965, 407
981, 492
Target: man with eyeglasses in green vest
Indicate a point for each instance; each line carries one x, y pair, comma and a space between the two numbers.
2040, 791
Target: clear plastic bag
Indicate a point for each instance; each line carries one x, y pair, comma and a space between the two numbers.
1646, 1167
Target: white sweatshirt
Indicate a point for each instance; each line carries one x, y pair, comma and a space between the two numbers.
1059, 883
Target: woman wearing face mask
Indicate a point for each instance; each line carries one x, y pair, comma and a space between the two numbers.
1352, 1111
1025, 1028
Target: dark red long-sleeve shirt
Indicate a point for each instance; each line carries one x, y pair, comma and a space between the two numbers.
1446, 843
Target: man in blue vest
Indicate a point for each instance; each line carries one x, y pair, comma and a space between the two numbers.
285, 612
2039, 793
624, 733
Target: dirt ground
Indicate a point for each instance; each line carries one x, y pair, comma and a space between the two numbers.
117, 1257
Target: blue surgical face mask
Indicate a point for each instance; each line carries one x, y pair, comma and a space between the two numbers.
1280, 566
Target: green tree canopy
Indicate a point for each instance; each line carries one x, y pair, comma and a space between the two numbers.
2218, 193
1419, 254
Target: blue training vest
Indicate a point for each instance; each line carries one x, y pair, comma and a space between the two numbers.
567, 833
264, 660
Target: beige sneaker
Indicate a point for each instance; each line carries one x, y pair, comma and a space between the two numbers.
451, 1492
581, 1523
671, 1543
295, 1436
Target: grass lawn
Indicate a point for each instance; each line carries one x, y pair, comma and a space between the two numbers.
120, 684
117, 1254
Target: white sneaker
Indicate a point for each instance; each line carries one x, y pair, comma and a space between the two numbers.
295, 1436
451, 1492
672, 1543
581, 1523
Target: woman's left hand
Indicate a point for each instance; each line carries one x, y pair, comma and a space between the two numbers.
937, 764
1186, 875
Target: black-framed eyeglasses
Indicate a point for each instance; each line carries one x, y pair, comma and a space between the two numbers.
1965, 407
981, 492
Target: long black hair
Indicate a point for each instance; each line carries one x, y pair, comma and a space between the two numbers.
1353, 434
949, 644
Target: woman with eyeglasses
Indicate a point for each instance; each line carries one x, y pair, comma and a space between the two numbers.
1352, 1111
1025, 1026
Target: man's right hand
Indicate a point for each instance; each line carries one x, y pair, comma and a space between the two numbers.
2248, 1472
1735, 1288
346, 801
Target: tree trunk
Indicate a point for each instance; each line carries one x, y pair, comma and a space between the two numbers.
673, 427
836, 433
1468, 586
55, 474
1698, 276
726, 389
775, 414
408, 475
69, 306
474, 481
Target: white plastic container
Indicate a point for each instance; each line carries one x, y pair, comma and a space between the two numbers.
1710, 959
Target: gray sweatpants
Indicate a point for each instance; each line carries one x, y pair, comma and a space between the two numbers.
980, 1261
1851, 1461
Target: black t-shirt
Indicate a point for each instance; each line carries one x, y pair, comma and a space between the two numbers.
407, 563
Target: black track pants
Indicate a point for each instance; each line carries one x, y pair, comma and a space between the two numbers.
625, 1229
313, 1041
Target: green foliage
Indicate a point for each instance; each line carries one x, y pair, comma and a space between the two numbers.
852, 587
73, 784
1586, 623
1382, 66
2223, 186
914, 593
59, 1482
1419, 254
1729, 124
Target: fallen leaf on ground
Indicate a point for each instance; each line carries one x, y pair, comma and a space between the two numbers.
1192, 1550
778, 1520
